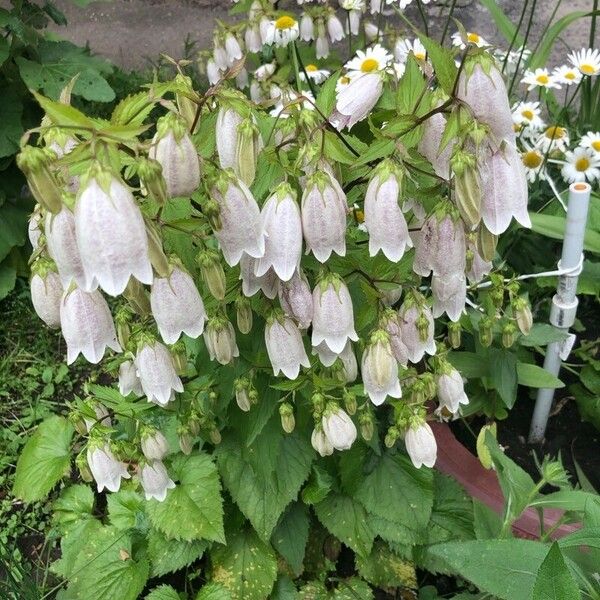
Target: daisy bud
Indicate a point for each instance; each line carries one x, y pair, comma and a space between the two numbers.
154, 444
384, 219
150, 173
451, 389
486, 243
268, 283
177, 306
449, 295
284, 346
219, 338
87, 325
241, 229
46, 293
335, 29
324, 209
333, 319
212, 273
243, 314
454, 335
129, 382
380, 370
481, 86
338, 427
421, 445
320, 442
522, 312
282, 227
111, 235
504, 189
288, 421
296, 300
105, 468
62, 247
307, 28
36, 164
356, 100
157, 374
508, 335
417, 327
367, 427
155, 481
467, 186
486, 335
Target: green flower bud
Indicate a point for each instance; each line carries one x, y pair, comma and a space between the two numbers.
486, 243
78, 423
36, 165
212, 272
243, 314
423, 327
486, 336
212, 210
253, 396
288, 421
83, 467
215, 436
150, 174
123, 318
467, 185
179, 356
349, 402
318, 402
454, 334
508, 335
391, 437
186, 107
366, 424
158, 258
522, 312
186, 441
248, 148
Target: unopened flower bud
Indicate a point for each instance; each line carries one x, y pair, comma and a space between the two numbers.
421, 445
154, 444
212, 273
243, 314
338, 427
186, 107
318, 403
467, 187
522, 312
248, 148
380, 369
83, 468
36, 164
508, 334
186, 442
242, 396
454, 334
212, 211
486, 243
367, 427
78, 422
123, 319
349, 402
486, 335
156, 371
219, 337
179, 355
150, 174
253, 396
157, 255
284, 346
46, 292
288, 421
391, 437
215, 436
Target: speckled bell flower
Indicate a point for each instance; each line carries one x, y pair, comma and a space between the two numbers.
421, 445
504, 189
46, 294
219, 337
451, 389
155, 481
338, 427
449, 295
154, 445
320, 442
111, 235
391, 324
34, 231
241, 227
284, 346
268, 283
356, 100
87, 325
157, 373
350, 365
333, 317
106, 469
177, 306
379, 369
324, 209
296, 299
477, 266
129, 382
417, 327
384, 219
282, 227
429, 145
174, 149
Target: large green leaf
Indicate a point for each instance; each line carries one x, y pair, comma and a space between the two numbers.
554, 580
126, 509
8, 278
14, 225
197, 496
469, 364
384, 568
74, 505
163, 592
291, 534
11, 128
213, 591
45, 459
553, 226
264, 478
168, 555
537, 377
503, 374
503, 23
246, 566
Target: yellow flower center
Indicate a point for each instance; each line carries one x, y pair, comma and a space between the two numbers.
311, 68
516, 127
360, 215
344, 80
587, 69
596, 145
569, 75
543, 79
369, 65
582, 164
528, 114
420, 55
555, 132
285, 22
473, 38
532, 159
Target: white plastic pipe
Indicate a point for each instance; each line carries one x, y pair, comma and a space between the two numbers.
564, 302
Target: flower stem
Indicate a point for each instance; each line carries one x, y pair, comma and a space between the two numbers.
294, 56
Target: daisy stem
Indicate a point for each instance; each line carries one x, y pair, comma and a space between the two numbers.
527, 32
423, 17
349, 34
557, 6
593, 24
447, 25
294, 55
514, 38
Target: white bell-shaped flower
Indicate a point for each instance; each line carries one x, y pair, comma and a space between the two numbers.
129, 382
504, 191
380, 370
157, 373
241, 227
284, 347
417, 328
34, 231
335, 29
451, 390
268, 283
421, 445
324, 209
111, 235
384, 218
430, 142
87, 325
233, 48
252, 38
282, 226
333, 318
349, 363
154, 445
62, 247
296, 299
46, 294
155, 481
177, 306
449, 295
219, 337
326, 356
307, 28
391, 324
478, 267
338, 427
320, 442
356, 100
174, 149
106, 469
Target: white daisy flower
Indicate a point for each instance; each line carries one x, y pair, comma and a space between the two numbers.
404, 47
533, 161
282, 31
315, 74
581, 164
527, 114
567, 75
286, 102
342, 83
399, 69
555, 138
539, 78
374, 59
586, 60
472, 38
591, 140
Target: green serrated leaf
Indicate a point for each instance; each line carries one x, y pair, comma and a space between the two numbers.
503, 374
384, 568
442, 60
64, 114
125, 509
163, 592
554, 580
133, 109
213, 591
351, 589
167, 556
45, 459
326, 97
197, 495
290, 536
246, 566
74, 505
